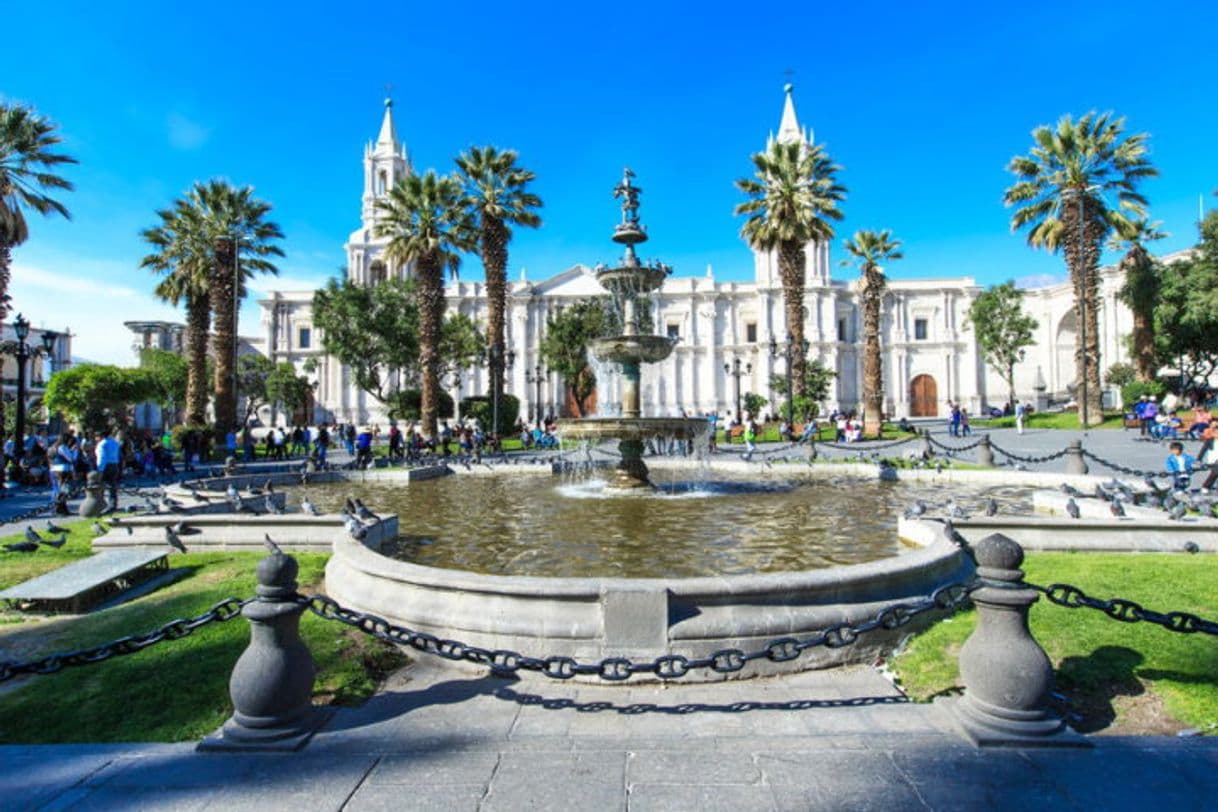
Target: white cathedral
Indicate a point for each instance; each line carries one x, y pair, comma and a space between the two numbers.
930, 355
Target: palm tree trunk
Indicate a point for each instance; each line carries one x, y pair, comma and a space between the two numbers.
1091, 258
224, 349
1083, 259
791, 267
431, 314
494, 262
6, 259
1144, 345
873, 371
198, 324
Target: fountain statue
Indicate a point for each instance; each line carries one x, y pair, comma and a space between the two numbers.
629, 283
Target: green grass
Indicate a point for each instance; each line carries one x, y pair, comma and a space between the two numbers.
1050, 420
172, 691
826, 433
1097, 659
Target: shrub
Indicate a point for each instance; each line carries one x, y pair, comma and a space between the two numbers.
480, 408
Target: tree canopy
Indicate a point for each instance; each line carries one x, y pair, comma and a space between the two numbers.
1186, 315
1004, 331
98, 396
564, 347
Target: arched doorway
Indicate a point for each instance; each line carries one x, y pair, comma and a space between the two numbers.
923, 397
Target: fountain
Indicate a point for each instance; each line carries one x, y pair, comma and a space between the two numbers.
627, 283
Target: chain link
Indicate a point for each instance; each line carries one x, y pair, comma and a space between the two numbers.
226, 609
860, 447
667, 666
1030, 460
1121, 469
1126, 611
952, 448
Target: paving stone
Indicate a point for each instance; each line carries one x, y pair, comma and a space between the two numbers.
668, 797
861, 780
127, 799
667, 767
1144, 780
421, 798
434, 769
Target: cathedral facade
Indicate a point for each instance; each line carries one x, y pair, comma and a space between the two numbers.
930, 354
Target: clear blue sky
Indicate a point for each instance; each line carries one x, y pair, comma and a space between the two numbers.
922, 104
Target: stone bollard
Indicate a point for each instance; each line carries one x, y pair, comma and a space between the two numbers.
272, 683
1006, 674
985, 452
94, 503
924, 447
1074, 458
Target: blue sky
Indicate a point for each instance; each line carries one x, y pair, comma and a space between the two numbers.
922, 104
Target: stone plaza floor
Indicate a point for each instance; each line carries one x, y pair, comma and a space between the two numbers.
446, 738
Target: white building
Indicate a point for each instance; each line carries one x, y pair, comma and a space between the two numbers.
930, 354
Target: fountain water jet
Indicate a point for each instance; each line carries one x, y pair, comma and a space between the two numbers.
627, 283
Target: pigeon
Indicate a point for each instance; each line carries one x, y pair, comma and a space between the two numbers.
1177, 511
1101, 493
304, 477
1191, 547
55, 529
1070, 490
349, 506
271, 545
1072, 508
991, 508
171, 505
357, 530
100, 529
308, 507
183, 529
272, 506
171, 538
918, 508
1116, 508
22, 547
362, 511
958, 512
31, 535
57, 543
231, 493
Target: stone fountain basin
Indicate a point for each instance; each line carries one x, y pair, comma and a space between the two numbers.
641, 618
638, 428
625, 349
627, 279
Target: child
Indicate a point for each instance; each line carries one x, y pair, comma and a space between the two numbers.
1181, 465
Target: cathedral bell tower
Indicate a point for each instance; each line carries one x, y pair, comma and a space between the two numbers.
385, 163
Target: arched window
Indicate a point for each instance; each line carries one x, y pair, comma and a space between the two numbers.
377, 272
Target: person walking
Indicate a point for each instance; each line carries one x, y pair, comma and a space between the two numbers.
750, 438
109, 463
1020, 411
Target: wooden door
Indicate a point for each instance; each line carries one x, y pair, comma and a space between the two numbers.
923, 397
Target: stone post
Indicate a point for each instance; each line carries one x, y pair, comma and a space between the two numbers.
272, 683
1074, 458
1007, 676
94, 502
985, 452
924, 446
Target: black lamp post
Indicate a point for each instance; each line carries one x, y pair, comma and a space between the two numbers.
788, 352
497, 360
23, 353
535, 377
734, 369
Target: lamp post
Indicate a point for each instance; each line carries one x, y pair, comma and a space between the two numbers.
49, 337
535, 377
496, 358
23, 353
788, 352
734, 369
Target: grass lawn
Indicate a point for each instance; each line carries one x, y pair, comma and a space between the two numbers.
1136, 678
826, 433
1049, 420
172, 691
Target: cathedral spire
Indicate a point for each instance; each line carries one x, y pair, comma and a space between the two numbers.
789, 130
388, 136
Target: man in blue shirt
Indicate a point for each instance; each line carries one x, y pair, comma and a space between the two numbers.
109, 463
1180, 465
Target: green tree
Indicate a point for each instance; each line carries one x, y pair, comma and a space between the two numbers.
1140, 291
1077, 186
497, 197
564, 347
427, 226
792, 200
169, 372
28, 165
1120, 374
97, 396
817, 379
1004, 331
869, 249
754, 403
1186, 313
286, 388
373, 331
210, 244
253, 371
462, 346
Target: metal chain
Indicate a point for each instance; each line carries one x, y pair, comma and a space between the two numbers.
667, 666
1126, 611
860, 447
226, 609
1031, 460
1121, 468
29, 514
952, 448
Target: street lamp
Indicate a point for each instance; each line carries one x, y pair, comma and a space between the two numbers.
735, 371
24, 352
535, 377
788, 352
494, 358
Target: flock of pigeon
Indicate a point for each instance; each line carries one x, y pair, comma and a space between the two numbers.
1175, 502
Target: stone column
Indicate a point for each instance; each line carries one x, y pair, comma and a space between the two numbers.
985, 453
1006, 674
1074, 458
272, 683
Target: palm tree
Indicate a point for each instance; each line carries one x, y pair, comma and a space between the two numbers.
1140, 291
427, 225
216, 238
869, 249
26, 164
792, 198
1076, 186
496, 196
